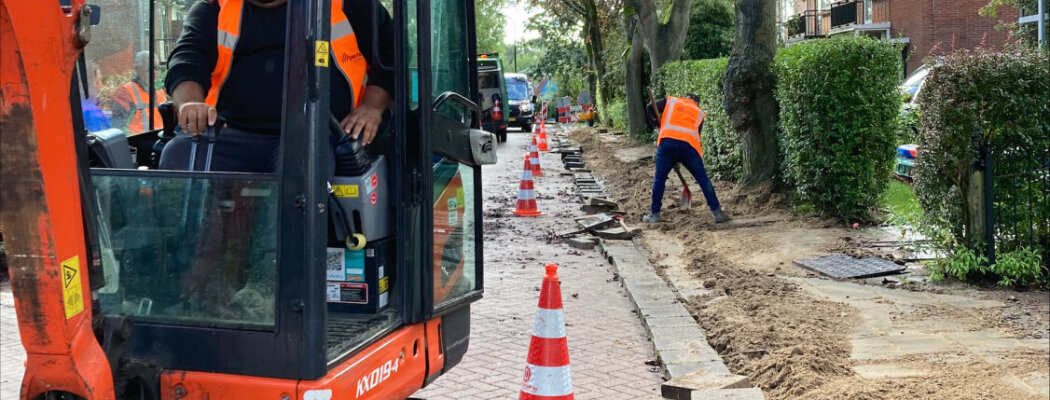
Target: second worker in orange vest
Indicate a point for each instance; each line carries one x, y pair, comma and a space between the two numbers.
680, 123
131, 102
229, 61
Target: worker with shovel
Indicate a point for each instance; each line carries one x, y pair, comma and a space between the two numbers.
680, 121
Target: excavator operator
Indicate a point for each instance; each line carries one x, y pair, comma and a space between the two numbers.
229, 63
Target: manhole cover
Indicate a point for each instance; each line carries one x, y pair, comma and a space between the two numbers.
845, 267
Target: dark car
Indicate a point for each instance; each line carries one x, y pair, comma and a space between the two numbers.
521, 101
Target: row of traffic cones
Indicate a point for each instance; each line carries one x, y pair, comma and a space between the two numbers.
526, 206
547, 373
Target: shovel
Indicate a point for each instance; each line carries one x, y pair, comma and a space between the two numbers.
686, 199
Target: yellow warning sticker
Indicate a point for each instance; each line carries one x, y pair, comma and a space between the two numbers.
72, 293
321, 53
384, 284
350, 191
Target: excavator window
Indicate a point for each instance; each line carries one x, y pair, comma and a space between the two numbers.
198, 257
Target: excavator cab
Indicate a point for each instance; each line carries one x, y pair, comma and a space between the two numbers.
347, 274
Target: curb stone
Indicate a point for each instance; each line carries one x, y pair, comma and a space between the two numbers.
677, 338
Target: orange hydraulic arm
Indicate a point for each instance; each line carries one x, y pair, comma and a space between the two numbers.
40, 204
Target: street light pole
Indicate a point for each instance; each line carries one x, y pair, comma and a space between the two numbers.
1042, 22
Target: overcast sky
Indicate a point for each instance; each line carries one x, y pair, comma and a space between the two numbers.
517, 13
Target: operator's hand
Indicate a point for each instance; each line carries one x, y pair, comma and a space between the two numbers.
363, 122
196, 117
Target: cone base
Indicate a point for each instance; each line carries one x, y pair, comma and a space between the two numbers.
537, 173
527, 213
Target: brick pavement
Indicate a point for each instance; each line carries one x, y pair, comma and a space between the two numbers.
608, 346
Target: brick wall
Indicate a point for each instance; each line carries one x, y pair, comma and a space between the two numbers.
937, 27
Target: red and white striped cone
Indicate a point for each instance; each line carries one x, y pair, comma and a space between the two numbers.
526, 206
534, 155
547, 375
542, 143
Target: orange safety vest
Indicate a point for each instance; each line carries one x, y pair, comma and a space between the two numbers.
348, 58
681, 121
138, 122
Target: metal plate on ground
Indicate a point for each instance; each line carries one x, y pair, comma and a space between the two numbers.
845, 267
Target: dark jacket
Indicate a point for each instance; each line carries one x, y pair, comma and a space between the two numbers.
252, 95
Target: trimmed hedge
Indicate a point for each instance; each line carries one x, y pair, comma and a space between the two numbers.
1002, 97
839, 108
704, 78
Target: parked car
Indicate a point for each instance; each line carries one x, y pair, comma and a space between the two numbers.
493, 89
521, 100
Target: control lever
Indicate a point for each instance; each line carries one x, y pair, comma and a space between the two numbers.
167, 119
212, 135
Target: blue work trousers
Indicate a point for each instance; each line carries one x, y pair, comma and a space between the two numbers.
671, 152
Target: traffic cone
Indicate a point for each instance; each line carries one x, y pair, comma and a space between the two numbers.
534, 155
547, 375
497, 112
526, 194
543, 139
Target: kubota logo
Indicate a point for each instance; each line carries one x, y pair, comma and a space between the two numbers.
377, 376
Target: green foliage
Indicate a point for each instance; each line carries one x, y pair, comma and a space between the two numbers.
1001, 97
1020, 268
704, 78
901, 205
489, 21
616, 115
1023, 267
908, 126
964, 264
710, 30
838, 112
561, 55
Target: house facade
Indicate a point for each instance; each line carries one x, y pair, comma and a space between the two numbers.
925, 27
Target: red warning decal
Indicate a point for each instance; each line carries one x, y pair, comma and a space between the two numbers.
375, 180
374, 198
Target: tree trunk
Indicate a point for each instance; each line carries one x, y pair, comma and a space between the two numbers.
663, 40
634, 69
598, 63
749, 84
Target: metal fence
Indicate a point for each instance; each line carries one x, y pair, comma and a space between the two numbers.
1017, 199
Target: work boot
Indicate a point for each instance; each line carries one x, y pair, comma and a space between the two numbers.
651, 218
720, 216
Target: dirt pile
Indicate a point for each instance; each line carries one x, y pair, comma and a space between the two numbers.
791, 343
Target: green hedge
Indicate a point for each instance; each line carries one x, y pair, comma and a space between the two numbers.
704, 78
1004, 98
839, 107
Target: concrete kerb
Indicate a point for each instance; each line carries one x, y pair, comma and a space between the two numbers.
678, 340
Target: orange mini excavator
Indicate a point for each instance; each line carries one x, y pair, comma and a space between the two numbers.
134, 279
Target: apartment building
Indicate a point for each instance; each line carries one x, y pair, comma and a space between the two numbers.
925, 27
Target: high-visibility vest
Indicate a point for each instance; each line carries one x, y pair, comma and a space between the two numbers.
138, 121
681, 121
348, 58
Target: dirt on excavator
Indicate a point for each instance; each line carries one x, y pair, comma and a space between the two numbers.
799, 335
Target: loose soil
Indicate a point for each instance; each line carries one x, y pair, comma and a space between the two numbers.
791, 342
